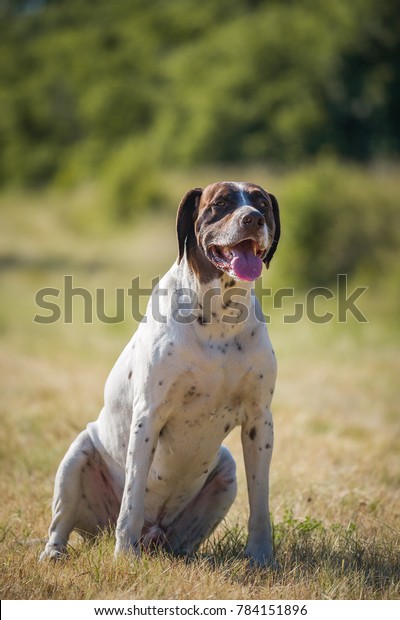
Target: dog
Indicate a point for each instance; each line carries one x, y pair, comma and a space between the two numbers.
153, 466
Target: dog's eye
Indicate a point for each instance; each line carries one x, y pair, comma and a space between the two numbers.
265, 206
220, 203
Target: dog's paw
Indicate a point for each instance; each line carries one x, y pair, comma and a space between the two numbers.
124, 549
154, 538
258, 558
262, 563
53, 552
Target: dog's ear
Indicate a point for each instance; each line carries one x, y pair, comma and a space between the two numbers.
185, 217
274, 245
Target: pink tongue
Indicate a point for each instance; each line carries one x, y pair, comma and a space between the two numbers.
245, 265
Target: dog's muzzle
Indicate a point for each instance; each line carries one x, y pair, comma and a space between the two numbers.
243, 261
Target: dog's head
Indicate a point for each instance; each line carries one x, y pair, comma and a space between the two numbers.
228, 227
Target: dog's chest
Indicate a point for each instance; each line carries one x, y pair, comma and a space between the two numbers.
205, 401
227, 382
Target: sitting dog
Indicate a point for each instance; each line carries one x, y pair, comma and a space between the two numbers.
200, 363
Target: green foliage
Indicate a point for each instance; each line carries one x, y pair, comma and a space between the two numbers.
123, 92
131, 183
193, 83
293, 527
339, 219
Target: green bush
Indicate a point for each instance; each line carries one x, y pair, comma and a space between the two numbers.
132, 183
338, 218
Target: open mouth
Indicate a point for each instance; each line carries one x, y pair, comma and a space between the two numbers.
243, 261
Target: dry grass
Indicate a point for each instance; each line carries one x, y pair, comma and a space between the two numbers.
336, 470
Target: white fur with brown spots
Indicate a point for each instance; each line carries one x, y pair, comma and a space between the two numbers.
152, 465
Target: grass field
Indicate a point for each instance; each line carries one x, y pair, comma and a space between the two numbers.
335, 496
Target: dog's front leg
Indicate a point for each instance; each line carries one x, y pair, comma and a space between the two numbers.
143, 439
257, 441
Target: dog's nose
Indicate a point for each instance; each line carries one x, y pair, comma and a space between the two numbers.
253, 219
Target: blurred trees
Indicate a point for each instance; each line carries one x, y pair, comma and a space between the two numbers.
86, 85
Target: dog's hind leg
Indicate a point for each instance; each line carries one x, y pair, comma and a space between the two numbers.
207, 509
85, 497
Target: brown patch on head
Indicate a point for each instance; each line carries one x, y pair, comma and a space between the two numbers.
185, 218
220, 204
277, 232
216, 218
203, 269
